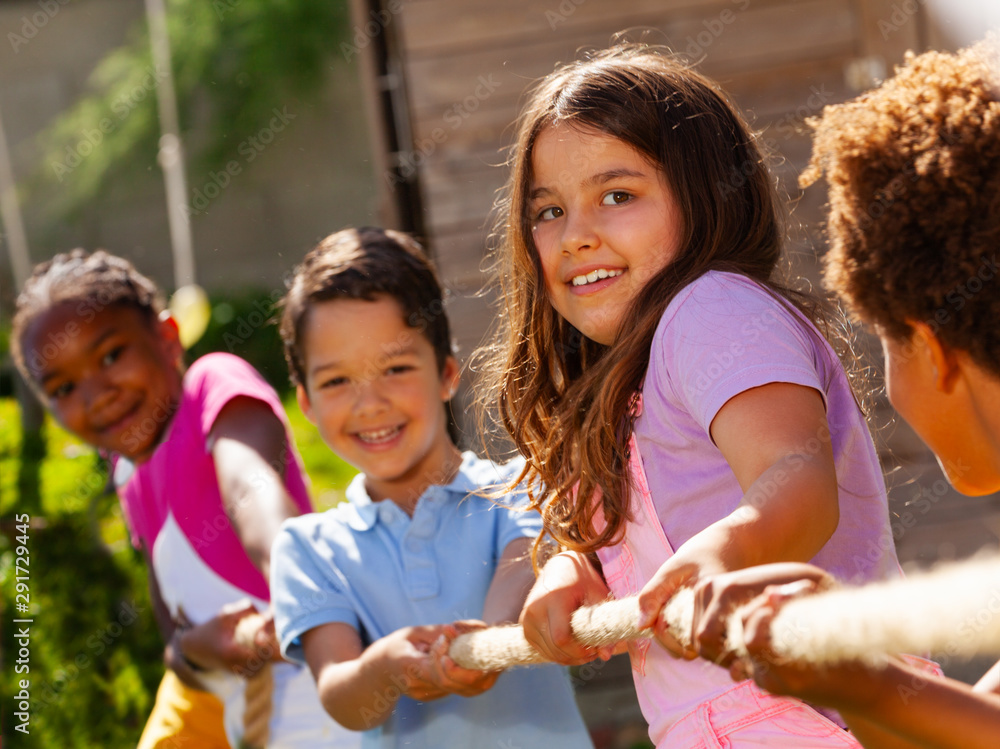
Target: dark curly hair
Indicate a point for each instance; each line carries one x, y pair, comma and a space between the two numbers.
914, 175
91, 281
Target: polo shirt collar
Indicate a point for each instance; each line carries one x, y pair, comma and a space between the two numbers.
364, 513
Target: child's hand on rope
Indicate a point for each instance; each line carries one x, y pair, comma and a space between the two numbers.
419, 658
567, 582
684, 569
842, 686
447, 674
214, 644
718, 596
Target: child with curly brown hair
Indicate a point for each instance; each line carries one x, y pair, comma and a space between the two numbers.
914, 175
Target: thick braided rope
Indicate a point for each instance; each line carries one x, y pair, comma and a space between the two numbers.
258, 690
954, 609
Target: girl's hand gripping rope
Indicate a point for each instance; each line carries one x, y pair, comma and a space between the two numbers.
567, 582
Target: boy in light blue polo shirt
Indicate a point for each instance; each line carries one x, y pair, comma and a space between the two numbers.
371, 593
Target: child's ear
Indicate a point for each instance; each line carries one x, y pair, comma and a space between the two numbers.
450, 375
170, 334
947, 367
303, 398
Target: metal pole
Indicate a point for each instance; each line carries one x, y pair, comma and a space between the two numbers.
16, 239
171, 156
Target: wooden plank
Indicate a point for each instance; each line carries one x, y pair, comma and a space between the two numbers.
473, 24
459, 181
766, 37
460, 256
464, 201
889, 28
773, 96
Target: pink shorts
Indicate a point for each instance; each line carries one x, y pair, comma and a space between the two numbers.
746, 716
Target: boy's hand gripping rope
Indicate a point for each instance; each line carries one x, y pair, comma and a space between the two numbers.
954, 609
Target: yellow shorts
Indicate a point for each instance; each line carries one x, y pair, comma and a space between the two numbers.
183, 718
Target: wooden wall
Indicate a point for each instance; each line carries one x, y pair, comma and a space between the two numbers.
465, 65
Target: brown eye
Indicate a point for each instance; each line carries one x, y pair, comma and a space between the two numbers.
61, 391
112, 356
616, 197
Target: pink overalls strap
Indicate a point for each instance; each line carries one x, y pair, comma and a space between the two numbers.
694, 704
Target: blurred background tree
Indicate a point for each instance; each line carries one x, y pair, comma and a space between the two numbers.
232, 60
95, 650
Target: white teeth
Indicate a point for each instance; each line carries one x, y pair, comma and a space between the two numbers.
379, 435
595, 275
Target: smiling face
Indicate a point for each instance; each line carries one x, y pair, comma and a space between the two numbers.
374, 390
604, 222
114, 379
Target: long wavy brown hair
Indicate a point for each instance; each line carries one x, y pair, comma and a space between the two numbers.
565, 400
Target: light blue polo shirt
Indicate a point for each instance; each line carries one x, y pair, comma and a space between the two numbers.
370, 565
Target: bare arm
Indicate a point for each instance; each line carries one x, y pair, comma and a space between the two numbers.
511, 583
173, 656
909, 709
990, 683
358, 687
777, 441
897, 707
248, 444
951, 715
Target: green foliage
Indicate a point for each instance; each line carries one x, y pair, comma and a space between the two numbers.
234, 61
95, 654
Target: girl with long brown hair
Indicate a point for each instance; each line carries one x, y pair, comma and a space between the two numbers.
679, 409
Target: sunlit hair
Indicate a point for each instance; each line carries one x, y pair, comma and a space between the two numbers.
914, 175
364, 264
90, 281
565, 400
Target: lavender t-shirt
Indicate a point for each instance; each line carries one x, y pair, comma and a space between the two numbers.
724, 334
